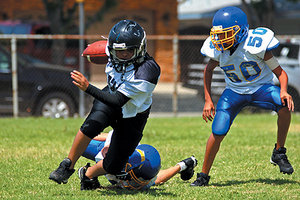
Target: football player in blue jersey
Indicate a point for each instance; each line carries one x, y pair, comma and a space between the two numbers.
140, 172
246, 58
123, 104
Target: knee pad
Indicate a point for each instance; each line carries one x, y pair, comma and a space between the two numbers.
221, 123
92, 128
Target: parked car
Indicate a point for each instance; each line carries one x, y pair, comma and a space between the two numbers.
43, 49
43, 89
288, 55
194, 80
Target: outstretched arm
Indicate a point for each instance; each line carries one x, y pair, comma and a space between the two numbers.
116, 99
79, 80
164, 175
209, 108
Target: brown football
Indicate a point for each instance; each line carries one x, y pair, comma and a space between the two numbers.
95, 52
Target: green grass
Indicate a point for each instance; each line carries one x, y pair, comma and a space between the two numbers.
30, 148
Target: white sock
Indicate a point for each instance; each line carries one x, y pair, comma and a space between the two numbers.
182, 166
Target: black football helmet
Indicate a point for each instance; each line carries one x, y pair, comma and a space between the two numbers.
126, 34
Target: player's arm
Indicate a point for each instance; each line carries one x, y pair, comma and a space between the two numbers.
209, 108
165, 174
273, 64
113, 99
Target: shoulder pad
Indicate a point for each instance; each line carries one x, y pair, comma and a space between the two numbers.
148, 71
259, 41
209, 50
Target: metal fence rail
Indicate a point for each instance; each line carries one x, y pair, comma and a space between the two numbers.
182, 95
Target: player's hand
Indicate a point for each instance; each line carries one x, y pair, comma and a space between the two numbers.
208, 111
287, 99
79, 80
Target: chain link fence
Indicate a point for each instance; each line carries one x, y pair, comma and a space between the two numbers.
35, 80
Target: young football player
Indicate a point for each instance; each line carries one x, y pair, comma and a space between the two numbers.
141, 171
245, 57
123, 104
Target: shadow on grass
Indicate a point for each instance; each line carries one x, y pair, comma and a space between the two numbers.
111, 190
265, 181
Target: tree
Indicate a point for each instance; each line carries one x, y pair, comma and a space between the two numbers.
64, 21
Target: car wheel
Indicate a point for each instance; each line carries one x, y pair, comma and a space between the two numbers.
56, 105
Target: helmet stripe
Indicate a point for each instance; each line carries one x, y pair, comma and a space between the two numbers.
142, 153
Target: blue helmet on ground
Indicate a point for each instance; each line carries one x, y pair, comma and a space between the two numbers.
143, 165
230, 27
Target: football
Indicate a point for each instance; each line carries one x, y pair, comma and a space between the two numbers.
95, 52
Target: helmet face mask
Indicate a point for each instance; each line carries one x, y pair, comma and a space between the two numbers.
230, 27
143, 165
224, 39
126, 35
117, 53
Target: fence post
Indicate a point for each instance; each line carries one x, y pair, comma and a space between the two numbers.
175, 66
81, 59
14, 73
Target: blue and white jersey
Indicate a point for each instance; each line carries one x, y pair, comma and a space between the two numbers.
245, 70
137, 84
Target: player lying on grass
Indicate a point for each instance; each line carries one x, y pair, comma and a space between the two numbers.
245, 57
141, 171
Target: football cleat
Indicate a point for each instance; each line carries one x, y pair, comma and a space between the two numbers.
85, 182
202, 180
279, 158
188, 173
62, 173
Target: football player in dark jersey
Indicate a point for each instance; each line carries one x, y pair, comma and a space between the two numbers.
123, 104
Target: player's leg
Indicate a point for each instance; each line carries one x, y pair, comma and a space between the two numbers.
283, 124
229, 105
279, 152
268, 97
212, 148
80, 143
127, 134
99, 118
94, 147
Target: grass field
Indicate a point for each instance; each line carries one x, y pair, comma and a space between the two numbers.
30, 148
